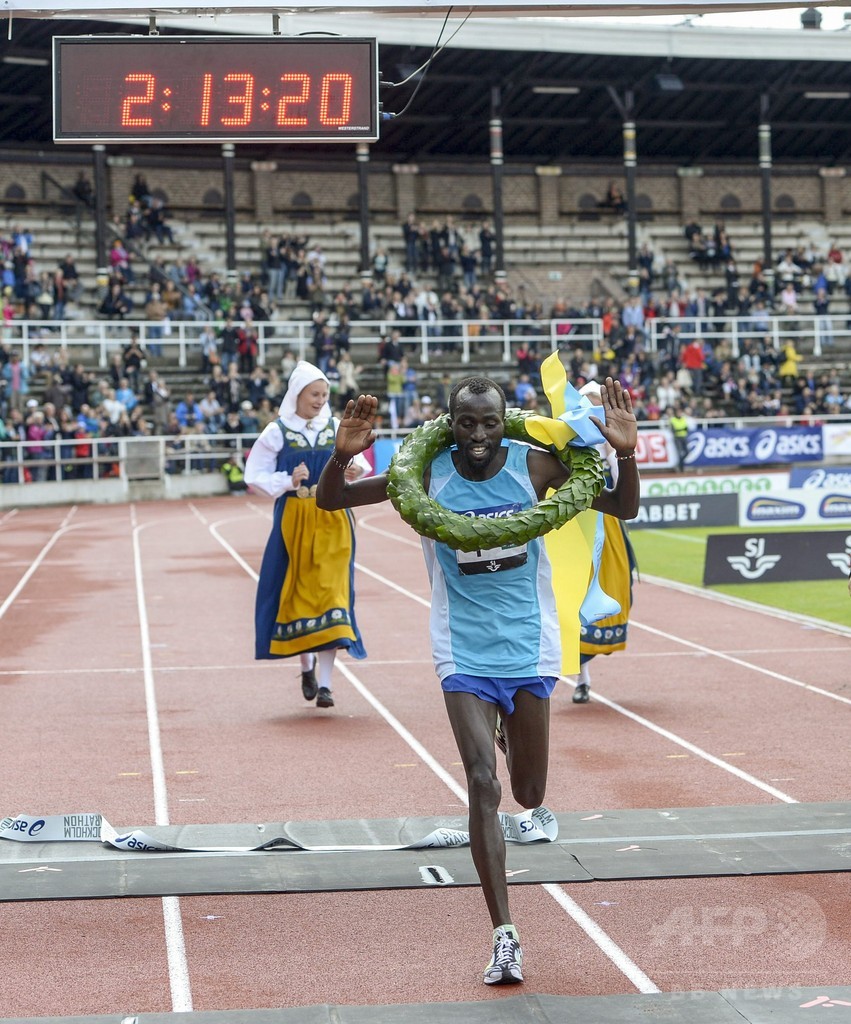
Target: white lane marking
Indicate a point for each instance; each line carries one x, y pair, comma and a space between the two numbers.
606, 944
268, 666
214, 530
601, 939
365, 523
392, 585
747, 650
178, 968
717, 761
8, 515
741, 662
683, 536
408, 737
22, 582
751, 606
594, 932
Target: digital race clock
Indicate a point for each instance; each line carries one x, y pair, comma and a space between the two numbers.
214, 89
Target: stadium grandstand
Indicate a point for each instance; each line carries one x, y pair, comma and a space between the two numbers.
614, 191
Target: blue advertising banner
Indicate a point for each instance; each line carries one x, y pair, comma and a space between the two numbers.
755, 446
835, 478
382, 452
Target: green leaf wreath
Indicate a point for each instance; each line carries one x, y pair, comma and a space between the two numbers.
472, 533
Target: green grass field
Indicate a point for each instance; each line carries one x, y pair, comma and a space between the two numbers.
678, 554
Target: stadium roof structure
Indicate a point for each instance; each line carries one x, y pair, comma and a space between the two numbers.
558, 84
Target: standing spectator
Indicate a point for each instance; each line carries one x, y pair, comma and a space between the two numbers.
133, 360
209, 345
487, 240
228, 340
324, 346
410, 233
469, 264
247, 347
83, 191
395, 384
38, 453
272, 265
120, 262
693, 360
157, 399
349, 374
824, 325
17, 376
679, 424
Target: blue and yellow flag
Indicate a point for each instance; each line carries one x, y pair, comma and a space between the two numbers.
575, 549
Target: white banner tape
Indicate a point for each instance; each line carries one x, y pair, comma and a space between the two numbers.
538, 825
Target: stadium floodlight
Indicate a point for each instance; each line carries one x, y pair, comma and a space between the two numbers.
666, 82
16, 58
826, 94
556, 90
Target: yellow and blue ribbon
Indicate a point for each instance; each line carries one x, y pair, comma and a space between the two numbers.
572, 412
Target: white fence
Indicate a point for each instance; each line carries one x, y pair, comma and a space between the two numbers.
500, 338
87, 340
811, 335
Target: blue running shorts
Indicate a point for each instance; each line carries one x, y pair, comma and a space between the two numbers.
498, 690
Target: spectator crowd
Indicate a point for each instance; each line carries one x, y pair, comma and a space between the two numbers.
693, 371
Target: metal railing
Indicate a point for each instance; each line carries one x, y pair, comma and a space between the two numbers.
811, 335
178, 339
126, 458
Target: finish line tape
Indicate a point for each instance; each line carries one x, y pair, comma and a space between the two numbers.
538, 825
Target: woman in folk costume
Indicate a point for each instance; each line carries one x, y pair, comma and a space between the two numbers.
305, 598
617, 564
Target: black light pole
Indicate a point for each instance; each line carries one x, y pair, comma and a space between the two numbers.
228, 156
765, 174
100, 187
495, 126
362, 157
626, 108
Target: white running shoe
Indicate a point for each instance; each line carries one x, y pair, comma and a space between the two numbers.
507, 959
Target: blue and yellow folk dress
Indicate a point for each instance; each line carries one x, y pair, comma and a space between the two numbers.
306, 593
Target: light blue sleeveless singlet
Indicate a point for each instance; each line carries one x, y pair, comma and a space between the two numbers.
493, 612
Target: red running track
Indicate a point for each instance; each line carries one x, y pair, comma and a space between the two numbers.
128, 688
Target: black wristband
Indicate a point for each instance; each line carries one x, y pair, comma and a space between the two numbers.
340, 465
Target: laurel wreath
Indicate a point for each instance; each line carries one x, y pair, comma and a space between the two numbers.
473, 533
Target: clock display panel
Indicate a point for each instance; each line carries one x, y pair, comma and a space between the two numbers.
214, 89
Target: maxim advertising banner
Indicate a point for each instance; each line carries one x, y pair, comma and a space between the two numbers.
777, 557
804, 506
754, 446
